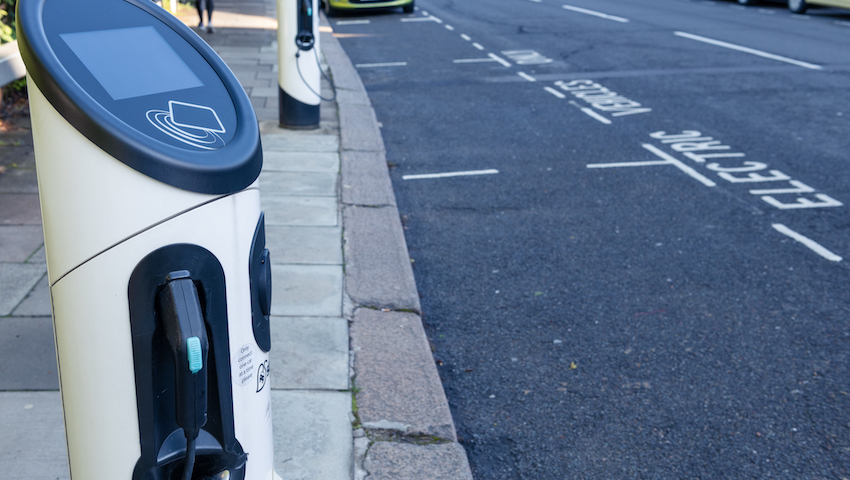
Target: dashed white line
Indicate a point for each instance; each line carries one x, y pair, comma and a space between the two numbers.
473, 60
449, 27
527, 76
596, 14
450, 174
537, 1
422, 19
554, 92
751, 51
808, 242
378, 65
465, 37
499, 59
353, 22
478, 45
593, 114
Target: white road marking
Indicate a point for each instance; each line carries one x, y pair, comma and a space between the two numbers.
537, 1
596, 14
595, 115
591, 112
751, 51
422, 19
378, 65
811, 244
666, 160
465, 37
449, 27
554, 92
353, 22
843, 23
449, 174
499, 59
527, 76
473, 60
478, 45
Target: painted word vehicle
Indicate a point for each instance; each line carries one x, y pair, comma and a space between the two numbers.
602, 98
780, 190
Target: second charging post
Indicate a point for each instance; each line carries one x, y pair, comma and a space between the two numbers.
299, 74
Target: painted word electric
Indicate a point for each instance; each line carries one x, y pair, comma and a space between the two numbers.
730, 166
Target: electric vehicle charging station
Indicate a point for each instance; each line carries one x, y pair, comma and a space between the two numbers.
148, 153
299, 80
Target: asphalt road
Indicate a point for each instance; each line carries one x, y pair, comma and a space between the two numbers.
644, 278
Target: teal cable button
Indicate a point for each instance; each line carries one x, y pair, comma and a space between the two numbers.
196, 361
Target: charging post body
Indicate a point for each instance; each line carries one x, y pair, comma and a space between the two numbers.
148, 153
299, 74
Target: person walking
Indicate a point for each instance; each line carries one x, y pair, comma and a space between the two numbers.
205, 5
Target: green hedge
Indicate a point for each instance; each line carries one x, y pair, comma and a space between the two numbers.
7, 20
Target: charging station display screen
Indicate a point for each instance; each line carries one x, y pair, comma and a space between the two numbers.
131, 62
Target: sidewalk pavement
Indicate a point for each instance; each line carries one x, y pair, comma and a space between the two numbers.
355, 393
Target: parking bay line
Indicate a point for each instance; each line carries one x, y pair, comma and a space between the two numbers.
378, 65
808, 242
751, 51
666, 160
449, 174
499, 59
353, 22
473, 60
596, 14
591, 112
422, 19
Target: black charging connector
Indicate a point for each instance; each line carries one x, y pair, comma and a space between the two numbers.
305, 39
183, 320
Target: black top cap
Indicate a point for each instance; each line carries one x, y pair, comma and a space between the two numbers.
145, 88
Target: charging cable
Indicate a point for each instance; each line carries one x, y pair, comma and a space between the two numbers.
298, 66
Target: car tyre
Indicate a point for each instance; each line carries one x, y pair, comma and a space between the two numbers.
329, 10
748, 2
798, 6
408, 8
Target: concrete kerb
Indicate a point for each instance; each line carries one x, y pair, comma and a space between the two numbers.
406, 429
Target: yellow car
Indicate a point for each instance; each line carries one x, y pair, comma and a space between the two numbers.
800, 6
335, 7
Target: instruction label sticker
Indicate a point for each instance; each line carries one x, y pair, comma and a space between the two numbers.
244, 365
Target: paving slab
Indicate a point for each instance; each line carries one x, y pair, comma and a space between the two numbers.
284, 141
32, 444
18, 243
20, 209
300, 162
305, 245
393, 461
16, 281
316, 184
397, 381
300, 211
312, 434
37, 302
27, 355
307, 290
377, 266
309, 353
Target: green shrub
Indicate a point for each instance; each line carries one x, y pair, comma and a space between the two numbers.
7, 21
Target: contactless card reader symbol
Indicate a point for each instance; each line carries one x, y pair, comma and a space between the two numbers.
195, 125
